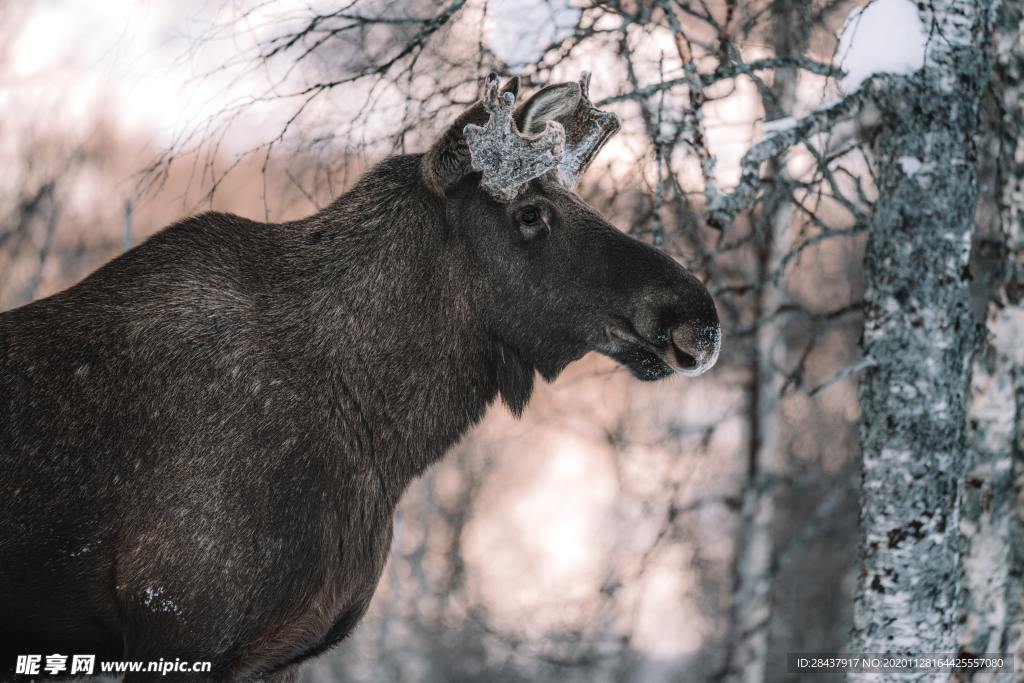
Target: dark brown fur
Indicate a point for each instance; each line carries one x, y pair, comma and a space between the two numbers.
202, 443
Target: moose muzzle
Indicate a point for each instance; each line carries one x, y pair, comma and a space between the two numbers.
694, 347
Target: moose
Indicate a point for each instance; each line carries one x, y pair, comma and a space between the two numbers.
202, 444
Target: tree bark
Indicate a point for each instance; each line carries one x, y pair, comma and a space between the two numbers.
752, 596
751, 608
993, 514
919, 333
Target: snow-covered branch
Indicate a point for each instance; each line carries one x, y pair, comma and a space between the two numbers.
723, 208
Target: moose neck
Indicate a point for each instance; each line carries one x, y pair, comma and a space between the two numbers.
390, 333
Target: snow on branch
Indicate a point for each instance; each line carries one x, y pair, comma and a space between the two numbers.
723, 208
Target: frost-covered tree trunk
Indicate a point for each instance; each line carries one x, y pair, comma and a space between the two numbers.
751, 609
752, 595
919, 334
993, 509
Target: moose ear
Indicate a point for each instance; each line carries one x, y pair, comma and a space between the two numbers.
548, 104
448, 160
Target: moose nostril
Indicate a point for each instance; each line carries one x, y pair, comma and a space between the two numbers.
696, 345
685, 360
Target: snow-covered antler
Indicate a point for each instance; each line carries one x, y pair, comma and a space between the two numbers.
507, 158
587, 129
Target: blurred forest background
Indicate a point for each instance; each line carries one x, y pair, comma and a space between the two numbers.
684, 531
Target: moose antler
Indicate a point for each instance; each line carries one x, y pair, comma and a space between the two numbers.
587, 130
507, 158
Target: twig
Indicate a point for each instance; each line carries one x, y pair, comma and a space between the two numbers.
865, 362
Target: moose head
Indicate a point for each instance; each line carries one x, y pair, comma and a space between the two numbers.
559, 280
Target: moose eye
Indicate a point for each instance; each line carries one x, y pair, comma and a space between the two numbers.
529, 215
532, 223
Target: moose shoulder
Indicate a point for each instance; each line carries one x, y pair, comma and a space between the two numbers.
202, 443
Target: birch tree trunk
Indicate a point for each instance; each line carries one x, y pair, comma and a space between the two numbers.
752, 596
993, 515
919, 333
751, 608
